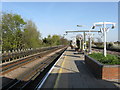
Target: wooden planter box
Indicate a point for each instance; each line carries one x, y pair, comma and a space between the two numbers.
102, 71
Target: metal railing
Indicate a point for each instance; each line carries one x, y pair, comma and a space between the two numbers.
20, 53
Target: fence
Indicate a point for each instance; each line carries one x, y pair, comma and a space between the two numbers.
20, 53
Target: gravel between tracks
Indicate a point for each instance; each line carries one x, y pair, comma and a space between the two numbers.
21, 71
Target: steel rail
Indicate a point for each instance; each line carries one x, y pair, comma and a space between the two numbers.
18, 64
43, 65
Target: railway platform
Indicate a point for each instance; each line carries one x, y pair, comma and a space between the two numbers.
70, 71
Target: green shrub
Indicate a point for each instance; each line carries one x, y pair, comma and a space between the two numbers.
109, 59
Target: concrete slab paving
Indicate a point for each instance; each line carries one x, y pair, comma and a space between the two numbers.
71, 72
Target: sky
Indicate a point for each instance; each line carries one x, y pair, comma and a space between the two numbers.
58, 17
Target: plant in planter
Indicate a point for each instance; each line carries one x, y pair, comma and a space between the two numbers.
109, 59
103, 67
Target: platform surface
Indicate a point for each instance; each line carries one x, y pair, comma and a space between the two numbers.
71, 72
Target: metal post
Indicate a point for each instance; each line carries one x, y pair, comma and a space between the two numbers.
104, 29
80, 44
90, 45
84, 45
104, 33
83, 41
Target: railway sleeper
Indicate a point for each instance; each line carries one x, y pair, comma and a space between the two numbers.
23, 53
51, 60
41, 70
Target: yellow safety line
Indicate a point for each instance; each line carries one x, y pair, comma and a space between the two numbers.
59, 73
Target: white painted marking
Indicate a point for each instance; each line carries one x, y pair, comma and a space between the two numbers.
46, 76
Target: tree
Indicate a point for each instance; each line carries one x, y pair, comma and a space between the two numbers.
64, 41
48, 41
32, 38
12, 27
19, 34
54, 40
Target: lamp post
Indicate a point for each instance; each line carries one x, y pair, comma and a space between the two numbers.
90, 41
84, 36
104, 30
83, 32
80, 37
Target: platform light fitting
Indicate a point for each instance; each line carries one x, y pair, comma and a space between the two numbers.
113, 25
93, 27
81, 25
104, 30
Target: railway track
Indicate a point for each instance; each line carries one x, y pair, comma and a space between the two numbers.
31, 76
108, 51
12, 66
